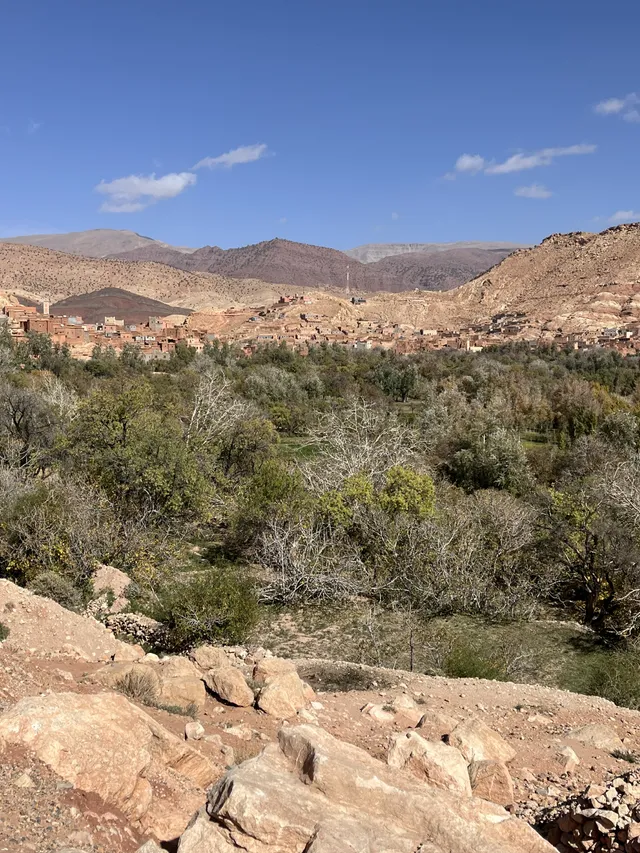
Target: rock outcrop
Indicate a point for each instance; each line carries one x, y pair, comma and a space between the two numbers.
314, 793
432, 761
105, 745
172, 681
603, 817
41, 626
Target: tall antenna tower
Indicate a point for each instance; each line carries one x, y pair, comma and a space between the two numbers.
348, 289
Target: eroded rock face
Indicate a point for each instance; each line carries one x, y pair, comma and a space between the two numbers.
434, 762
104, 744
312, 792
492, 781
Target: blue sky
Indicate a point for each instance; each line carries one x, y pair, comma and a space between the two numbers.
337, 123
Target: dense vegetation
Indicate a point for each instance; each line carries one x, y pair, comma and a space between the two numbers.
503, 485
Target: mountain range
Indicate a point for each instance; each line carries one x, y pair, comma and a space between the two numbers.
428, 266
572, 281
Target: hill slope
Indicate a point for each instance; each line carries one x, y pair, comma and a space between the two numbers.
573, 281
98, 243
435, 270
304, 266
29, 270
372, 252
113, 301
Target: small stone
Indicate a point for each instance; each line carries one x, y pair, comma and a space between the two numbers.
194, 730
24, 781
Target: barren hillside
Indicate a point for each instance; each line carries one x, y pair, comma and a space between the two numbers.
372, 252
56, 275
570, 280
443, 270
113, 301
98, 243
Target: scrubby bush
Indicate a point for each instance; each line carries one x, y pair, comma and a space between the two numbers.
217, 605
4, 632
57, 587
611, 674
139, 686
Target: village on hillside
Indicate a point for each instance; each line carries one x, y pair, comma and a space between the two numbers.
292, 321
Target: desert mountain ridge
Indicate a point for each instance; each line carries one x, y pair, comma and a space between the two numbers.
305, 266
96, 243
574, 282
436, 266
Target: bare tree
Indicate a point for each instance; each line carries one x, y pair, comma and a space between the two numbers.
304, 563
216, 409
359, 439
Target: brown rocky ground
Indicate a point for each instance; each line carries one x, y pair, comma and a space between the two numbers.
40, 811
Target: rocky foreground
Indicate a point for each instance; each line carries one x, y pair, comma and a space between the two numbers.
106, 749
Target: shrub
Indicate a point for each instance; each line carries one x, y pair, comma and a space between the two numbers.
467, 660
342, 677
611, 674
57, 587
139, 686
213, 606
4, 632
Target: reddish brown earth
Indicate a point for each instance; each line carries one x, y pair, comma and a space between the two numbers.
116, 302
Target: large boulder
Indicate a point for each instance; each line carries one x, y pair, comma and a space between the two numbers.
136, 680
229, 684
183, 692
268, 668
283, 696
477, 742
41, 625
434, 762
173, 682
312, 792
209, 657
103, 744
181, 683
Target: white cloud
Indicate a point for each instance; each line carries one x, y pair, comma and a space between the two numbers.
544, 157
395, 216
244, 154
472, 163
625, 107
282, 220
134, 193
33, 126
624, 216
533, 191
